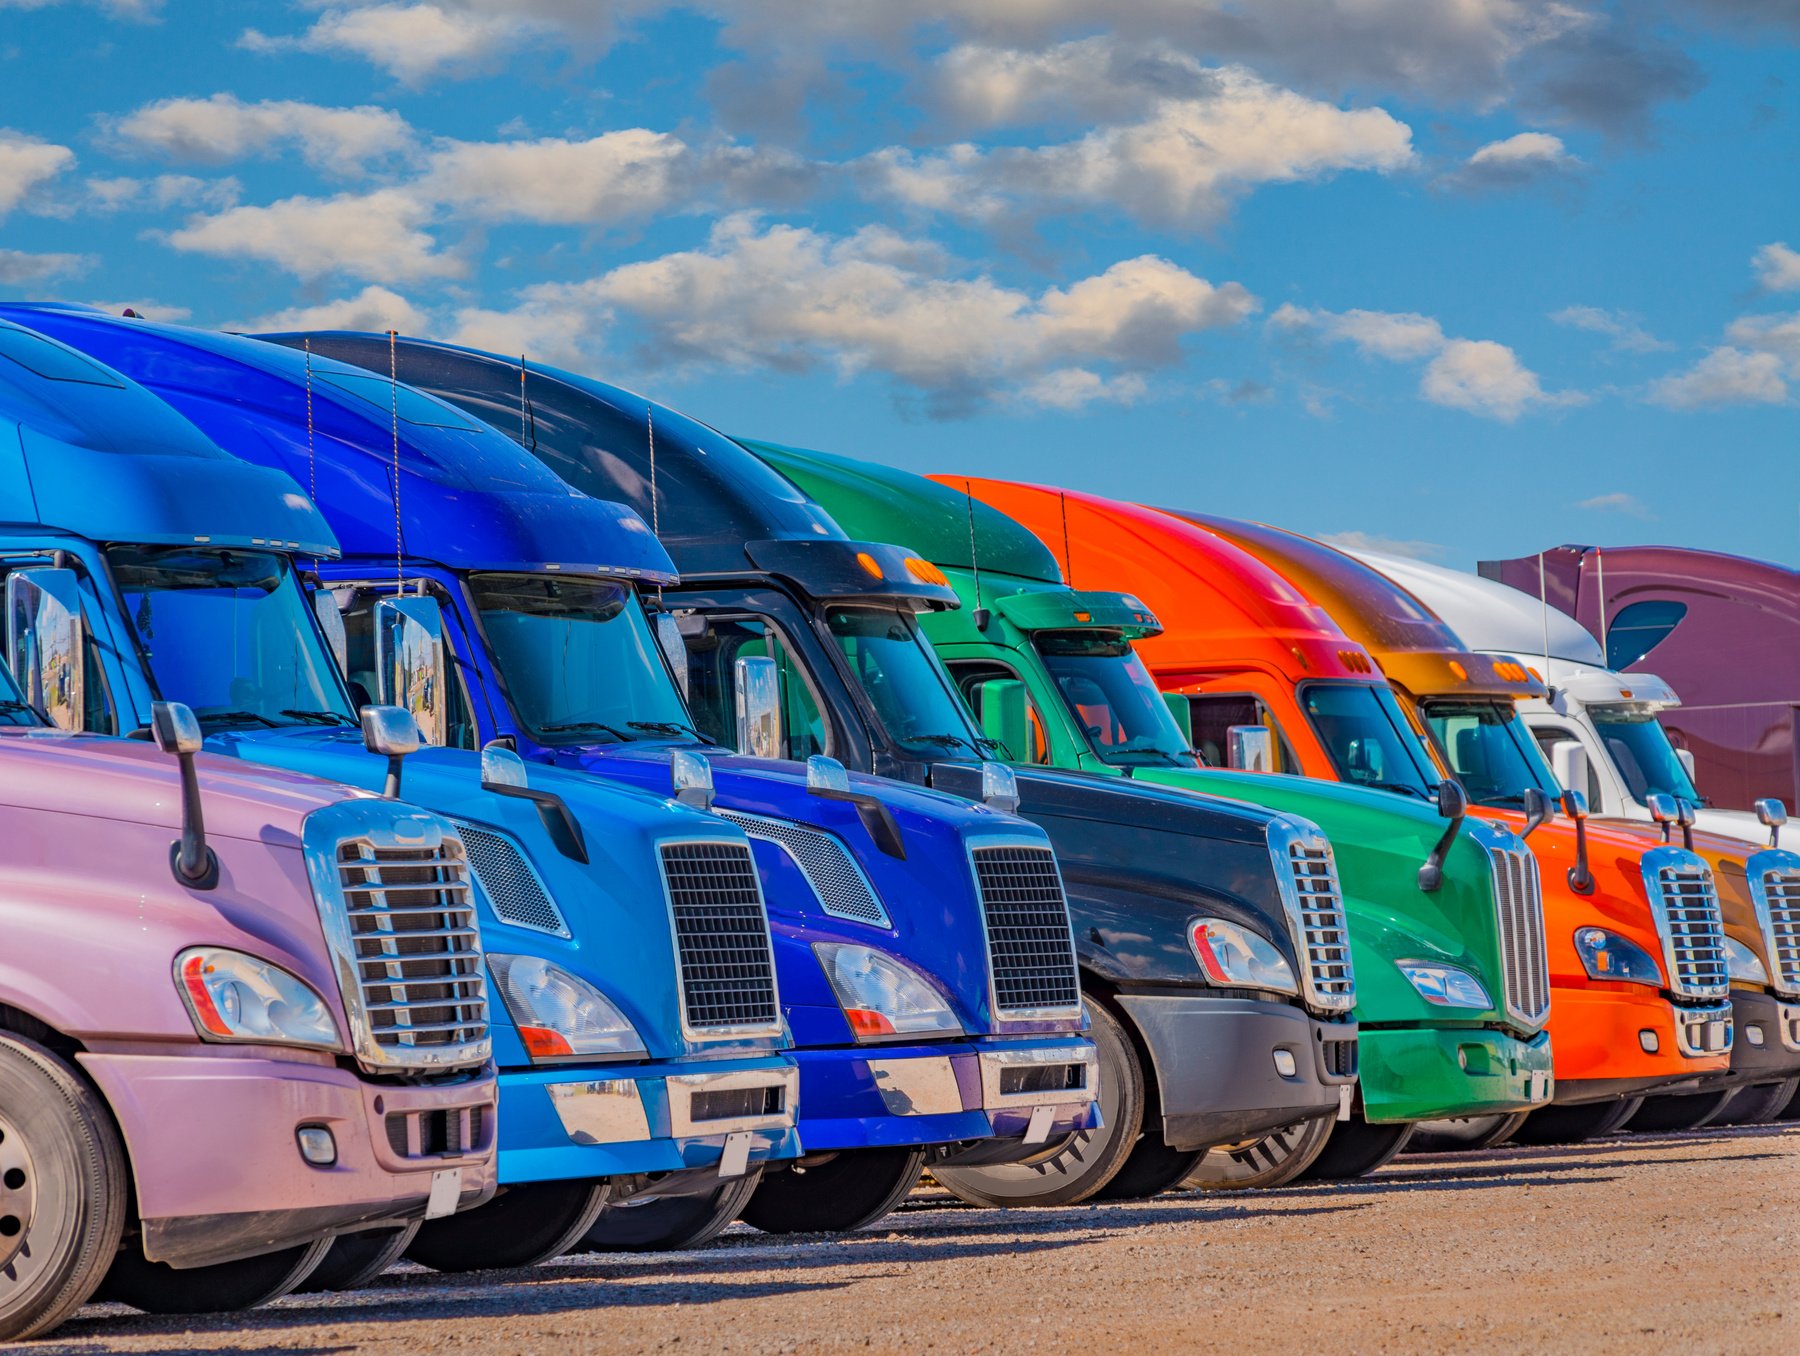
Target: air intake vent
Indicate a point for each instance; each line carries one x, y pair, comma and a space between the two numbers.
512, 886
1775, 888
1307, 875
721, 939
1030, 950
1687, 915
843, 890
1519, 912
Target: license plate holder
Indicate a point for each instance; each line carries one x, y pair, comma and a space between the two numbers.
1346, 1095
1037, 1130
446, 1193
734, 1161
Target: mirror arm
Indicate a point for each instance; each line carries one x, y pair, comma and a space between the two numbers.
195, 864
1581, 880
1535, 820
876, 818
391, 788
1431, 874
559, 821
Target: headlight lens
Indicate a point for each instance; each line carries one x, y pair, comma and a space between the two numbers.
1746, 966
1235, 956
1445, 985
1606, 955
560, 1016
883, 997
238, 998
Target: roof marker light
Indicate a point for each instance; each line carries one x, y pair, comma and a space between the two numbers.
869, 563
1461, 673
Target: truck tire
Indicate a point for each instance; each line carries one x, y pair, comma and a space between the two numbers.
850, 1191
1150, 1169
525, 1224
1758, 1105
222, 1288
63, 1188
1274, 1160
1574, 1124
1464, 1134
1082, 1163
1355, 1149
1672, 1111
356, 1259
672, 1223
1790, 1112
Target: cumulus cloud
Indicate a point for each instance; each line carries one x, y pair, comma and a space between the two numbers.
1516, 162
371, 235
1098, 79
1777, 267
1387, 546
26, 164
124, 193
1618, 502
1397, 336
224, 128
410, 42
20, 269
1625, 331
373, 308
1725, 376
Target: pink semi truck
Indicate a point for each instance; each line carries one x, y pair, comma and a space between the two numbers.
242, 1014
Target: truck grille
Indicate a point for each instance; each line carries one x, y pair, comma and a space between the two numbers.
721, 939
1687, 915
1031, 953
843, 890
415, 957
513, 889
432, 1134
1315, 908
1519, 911
1775, 888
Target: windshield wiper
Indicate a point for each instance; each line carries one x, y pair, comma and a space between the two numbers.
1404, 788
950, 741
669, 727
582, 726
236, 718
320, 717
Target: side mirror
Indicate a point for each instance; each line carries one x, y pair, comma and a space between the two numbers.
1686, 758
391, 732
1684, 816
1250, 748
1452, 804
758, 707
826, 774
331, 622
1772, 814
1183, 711
1574, 805
1006, 716
693, 779
502, 766
503, 773
410, 663
177, 733
1662, 809
1569, 763
1000, 787
674, 648
1538, 808
46, 637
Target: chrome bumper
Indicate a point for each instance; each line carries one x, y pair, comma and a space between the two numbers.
1063, 1075
1703, 1031
612, 1110
919, 1086
1787, 1022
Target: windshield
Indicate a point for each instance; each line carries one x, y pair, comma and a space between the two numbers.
1367, 735
1640, 749
579, 659
1113, 698
1489, 750
901, 677
229, 634
14, 709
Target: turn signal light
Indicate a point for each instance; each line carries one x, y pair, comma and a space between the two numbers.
926, 573
1461, 673
543, 1043
869, 563
867, 1022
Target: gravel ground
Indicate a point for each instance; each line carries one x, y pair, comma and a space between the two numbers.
1672, 1243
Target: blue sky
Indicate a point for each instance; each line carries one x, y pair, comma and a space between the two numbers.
1472, 277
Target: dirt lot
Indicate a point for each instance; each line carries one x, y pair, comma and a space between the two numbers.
1675, 1243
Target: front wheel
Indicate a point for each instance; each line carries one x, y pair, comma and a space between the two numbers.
672, 1223
1082, 1163
1573, 1124
1150, 1169
1356, 1149
850, 1191
223, 1288
1464, 1134
1679, 1111
356, 1259
1273, 1160
522, 1226
63, 1185
1759, 1105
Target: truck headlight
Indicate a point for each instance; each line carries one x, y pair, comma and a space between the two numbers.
1238, 957
1445, 985
559, 1015
883, 997
237, 998
1606, 955
1746, 966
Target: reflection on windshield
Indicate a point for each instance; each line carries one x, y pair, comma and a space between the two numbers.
579, 660
14, 710
228, 633
1368, 738
1490, 752
1113, 698
908, 690
1640, 749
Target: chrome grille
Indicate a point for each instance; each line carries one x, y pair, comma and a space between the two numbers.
1031, 953
1307, 874
843, 890
721, 939
1775, 888
1519, 912
511, 885
1687, 915
413, 952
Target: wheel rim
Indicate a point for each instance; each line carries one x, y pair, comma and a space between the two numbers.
1227, 1163
18, 1203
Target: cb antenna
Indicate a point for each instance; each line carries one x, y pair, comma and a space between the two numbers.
312, 465
1600, 573
527, 415
394, 419
650, 432
1068, 562
981, 616
1544, 606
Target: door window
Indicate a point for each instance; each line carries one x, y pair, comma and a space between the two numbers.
714, 645
970, 674
1214, 713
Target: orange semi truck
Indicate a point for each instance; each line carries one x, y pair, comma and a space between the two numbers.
1250, 649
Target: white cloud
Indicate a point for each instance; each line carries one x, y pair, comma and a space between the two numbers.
1626, 332
124, 9
1527, 158
410, 42
1619, 501
26, 163
1778, 267
373, 235
17, 268
1777, 334
373, 308
224, 128
1387, 546
106, 194
1073, 388
1100, 79
1397, 336
611, 177
1725, 376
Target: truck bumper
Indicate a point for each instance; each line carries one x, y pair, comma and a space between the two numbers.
1217, 1070
1626, 1040
1771, 1053
559, 1124
217, 1165
883, 1096
1422, 1073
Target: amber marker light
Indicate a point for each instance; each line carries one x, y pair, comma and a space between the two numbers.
869, 563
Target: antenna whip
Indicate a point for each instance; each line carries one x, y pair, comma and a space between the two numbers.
1068, 563
312, 465
1544, 608
974, 555
1600, 570
650, 429
524, 440
394, 414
